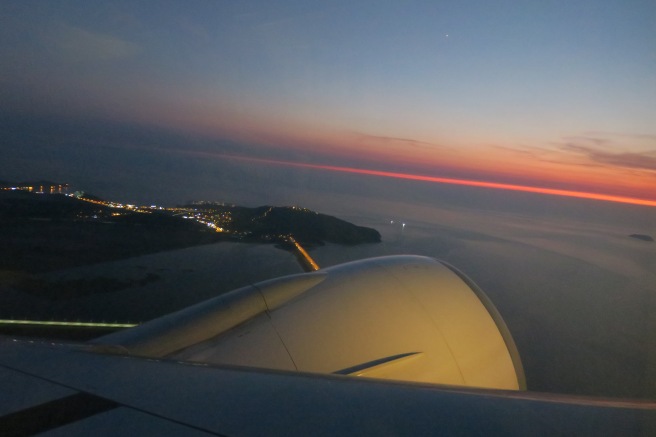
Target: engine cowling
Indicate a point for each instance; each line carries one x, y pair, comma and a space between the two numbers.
407, 318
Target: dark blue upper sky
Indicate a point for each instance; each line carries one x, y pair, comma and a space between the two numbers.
544, 93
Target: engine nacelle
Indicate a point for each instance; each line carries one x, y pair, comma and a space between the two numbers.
405, 318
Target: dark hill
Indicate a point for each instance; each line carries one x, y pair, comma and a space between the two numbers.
23, 205
271, 223
43, 232
310, 227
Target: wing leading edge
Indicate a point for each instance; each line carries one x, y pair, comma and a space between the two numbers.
174, 398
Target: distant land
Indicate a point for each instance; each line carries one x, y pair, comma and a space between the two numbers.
642, 237
41, 232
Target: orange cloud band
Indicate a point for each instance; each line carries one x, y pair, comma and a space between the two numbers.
465, 182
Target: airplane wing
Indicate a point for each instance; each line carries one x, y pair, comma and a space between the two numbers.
63, 390
284, 357
408, 318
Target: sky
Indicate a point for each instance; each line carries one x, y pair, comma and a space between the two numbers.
554, 95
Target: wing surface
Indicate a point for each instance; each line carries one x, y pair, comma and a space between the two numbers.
141, 396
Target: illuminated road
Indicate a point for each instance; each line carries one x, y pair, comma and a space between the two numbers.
309, 265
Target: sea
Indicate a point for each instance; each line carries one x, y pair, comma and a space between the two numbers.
576, 289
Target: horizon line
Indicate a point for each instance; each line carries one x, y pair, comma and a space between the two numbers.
450, 181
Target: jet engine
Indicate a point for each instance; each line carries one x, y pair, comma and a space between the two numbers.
406, 318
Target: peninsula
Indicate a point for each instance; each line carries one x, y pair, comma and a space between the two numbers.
40, 231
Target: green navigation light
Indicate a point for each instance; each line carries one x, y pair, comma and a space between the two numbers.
59, 323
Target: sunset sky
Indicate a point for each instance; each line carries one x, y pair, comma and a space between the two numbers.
559, 95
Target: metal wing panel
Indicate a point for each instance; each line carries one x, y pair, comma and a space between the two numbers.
237, 401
